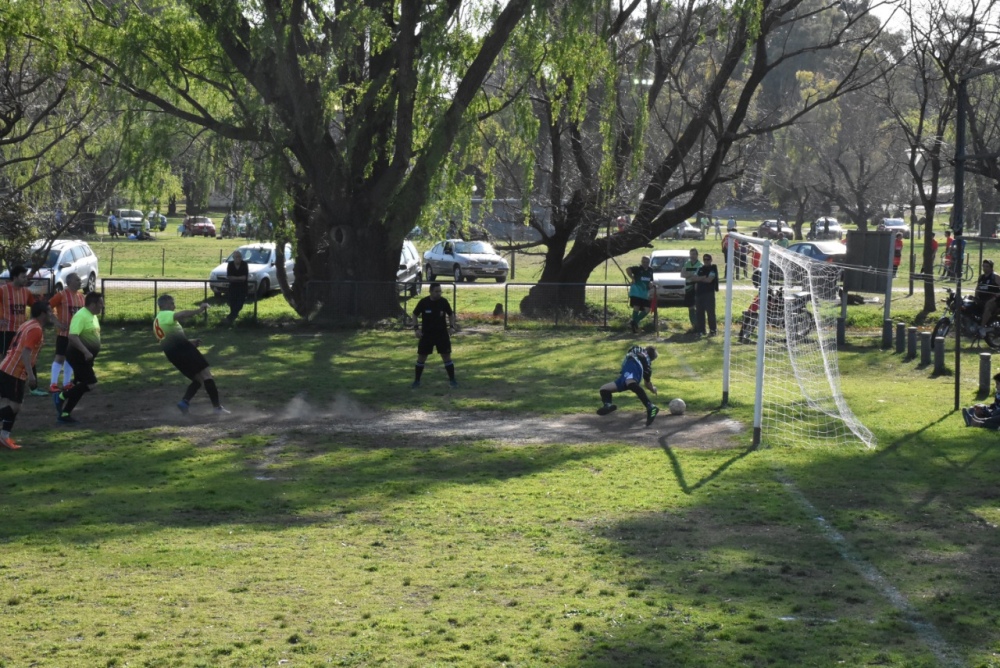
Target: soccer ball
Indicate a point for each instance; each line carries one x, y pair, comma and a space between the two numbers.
677, 406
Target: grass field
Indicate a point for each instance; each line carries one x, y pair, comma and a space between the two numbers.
339, 518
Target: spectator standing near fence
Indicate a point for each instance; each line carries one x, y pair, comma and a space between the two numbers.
897, 252
15, 300
706, 284
718, 228
688, 272
65, 304
432, 319
84, 346
946, 269
183, 353
17, 370
237, 274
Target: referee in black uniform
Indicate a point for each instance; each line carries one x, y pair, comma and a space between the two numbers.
432, 318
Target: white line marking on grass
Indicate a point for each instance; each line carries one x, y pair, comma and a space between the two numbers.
926, 631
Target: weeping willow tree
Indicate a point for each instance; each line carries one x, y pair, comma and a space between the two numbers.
360, 112
646, 112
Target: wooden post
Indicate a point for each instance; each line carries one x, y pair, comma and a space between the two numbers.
939, 354
925, 348
911, 343
900, 337
887, 333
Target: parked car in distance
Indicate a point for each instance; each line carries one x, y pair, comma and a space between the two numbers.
123, 221
464, 260
261, 269
685, 230
667, 281
85, 222
825, 228
65, 257
775, 229
409, 278
897, 225
198, 226
157, 221
821, 251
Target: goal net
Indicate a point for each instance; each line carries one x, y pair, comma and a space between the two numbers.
780, 352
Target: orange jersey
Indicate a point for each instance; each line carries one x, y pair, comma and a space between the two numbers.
65, 304
14, 303
28, 337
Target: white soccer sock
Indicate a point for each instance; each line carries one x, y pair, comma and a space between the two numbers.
56, 368
67, 374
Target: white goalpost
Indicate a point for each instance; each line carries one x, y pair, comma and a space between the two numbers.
780, 347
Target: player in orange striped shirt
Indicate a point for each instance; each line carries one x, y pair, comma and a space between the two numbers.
16, 370
15, 299
64, 305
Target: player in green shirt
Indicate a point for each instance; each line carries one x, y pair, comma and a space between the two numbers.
183, 353
84, 345
638, 292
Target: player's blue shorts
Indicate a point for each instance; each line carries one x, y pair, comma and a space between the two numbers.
631, 371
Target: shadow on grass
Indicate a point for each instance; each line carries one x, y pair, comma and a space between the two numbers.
748, 577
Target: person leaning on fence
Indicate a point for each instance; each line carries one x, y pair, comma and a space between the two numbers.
638, 292
237, 274
986, 416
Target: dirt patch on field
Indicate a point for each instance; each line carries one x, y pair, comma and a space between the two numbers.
419, 427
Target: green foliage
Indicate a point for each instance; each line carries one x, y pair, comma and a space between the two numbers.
17, 230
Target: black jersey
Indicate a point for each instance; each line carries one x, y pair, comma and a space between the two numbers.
433, 314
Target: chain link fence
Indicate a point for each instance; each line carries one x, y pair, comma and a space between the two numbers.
510, 306
133, 300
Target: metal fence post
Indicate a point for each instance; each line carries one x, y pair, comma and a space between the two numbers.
156, 295
111, 271
163, 262
506, 304
605, 306
984, 373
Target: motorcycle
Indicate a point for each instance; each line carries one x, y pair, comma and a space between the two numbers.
971, 315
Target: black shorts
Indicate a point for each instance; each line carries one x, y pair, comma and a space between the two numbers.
638, 302
83, 370
62, 345
429, 342
12, 389
187, 358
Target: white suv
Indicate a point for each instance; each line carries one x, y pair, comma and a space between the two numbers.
65, 257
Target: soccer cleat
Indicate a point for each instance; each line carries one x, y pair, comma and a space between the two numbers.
183, 406
607, 408
415, 385
39, 392
9, 443
66, 418
453, 382
58, 399
967, 416
54, 387
221, 410
651, 414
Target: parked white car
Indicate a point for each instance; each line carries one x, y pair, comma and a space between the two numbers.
409, 278
65, 257
666, 266
261, 269
464, 260
123, 221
